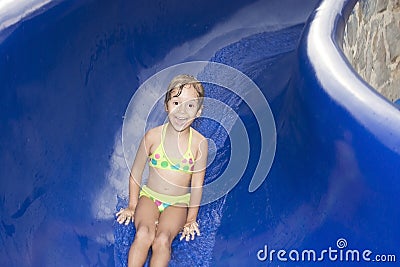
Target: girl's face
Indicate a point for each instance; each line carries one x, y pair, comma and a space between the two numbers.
183, 109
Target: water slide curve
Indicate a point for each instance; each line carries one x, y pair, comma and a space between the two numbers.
68, 72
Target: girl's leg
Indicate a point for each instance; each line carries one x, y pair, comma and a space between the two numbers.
146, 215
170, 224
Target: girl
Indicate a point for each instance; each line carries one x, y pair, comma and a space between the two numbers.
177, 158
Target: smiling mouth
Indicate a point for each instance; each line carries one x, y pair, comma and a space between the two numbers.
181, 120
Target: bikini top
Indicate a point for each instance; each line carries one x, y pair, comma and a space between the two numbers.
158, 159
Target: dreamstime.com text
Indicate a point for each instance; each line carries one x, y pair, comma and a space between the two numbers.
339, 253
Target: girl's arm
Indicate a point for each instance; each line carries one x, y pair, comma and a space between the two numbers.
135, 179
197, 181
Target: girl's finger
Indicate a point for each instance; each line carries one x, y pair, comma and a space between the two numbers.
120, 211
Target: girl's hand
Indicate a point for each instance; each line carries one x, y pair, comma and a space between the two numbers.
125, 216
189, 231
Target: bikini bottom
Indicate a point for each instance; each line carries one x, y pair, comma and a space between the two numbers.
162, 200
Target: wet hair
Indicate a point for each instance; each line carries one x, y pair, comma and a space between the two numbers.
179, 82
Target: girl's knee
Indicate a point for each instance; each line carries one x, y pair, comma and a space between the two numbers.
145, 234
162, 241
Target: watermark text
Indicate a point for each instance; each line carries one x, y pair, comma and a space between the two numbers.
338, 253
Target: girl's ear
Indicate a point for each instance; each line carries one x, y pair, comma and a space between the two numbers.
166, 107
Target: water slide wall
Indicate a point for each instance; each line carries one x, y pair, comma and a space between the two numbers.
68, 71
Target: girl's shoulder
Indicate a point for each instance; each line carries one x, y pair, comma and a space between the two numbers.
153, 135
197, 137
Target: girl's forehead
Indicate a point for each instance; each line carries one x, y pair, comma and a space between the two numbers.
188, 91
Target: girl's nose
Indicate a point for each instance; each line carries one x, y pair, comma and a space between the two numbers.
181, 108
178, 109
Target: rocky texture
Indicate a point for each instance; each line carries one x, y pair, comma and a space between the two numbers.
371, 44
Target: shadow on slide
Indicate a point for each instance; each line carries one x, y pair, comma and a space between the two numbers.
68, 70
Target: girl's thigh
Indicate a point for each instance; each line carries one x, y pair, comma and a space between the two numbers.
172, 220
146, 213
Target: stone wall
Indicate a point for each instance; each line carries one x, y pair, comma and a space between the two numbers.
372, 44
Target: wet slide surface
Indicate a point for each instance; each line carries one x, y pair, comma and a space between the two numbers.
68, 72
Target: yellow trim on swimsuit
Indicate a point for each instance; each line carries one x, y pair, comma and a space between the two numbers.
158, 159
162, 200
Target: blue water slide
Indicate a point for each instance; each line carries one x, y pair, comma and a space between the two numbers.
74, 101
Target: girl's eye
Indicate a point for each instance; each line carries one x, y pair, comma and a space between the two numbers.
175, 103
192, 105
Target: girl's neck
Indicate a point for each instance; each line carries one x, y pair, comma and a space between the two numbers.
176, 140
170, 130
